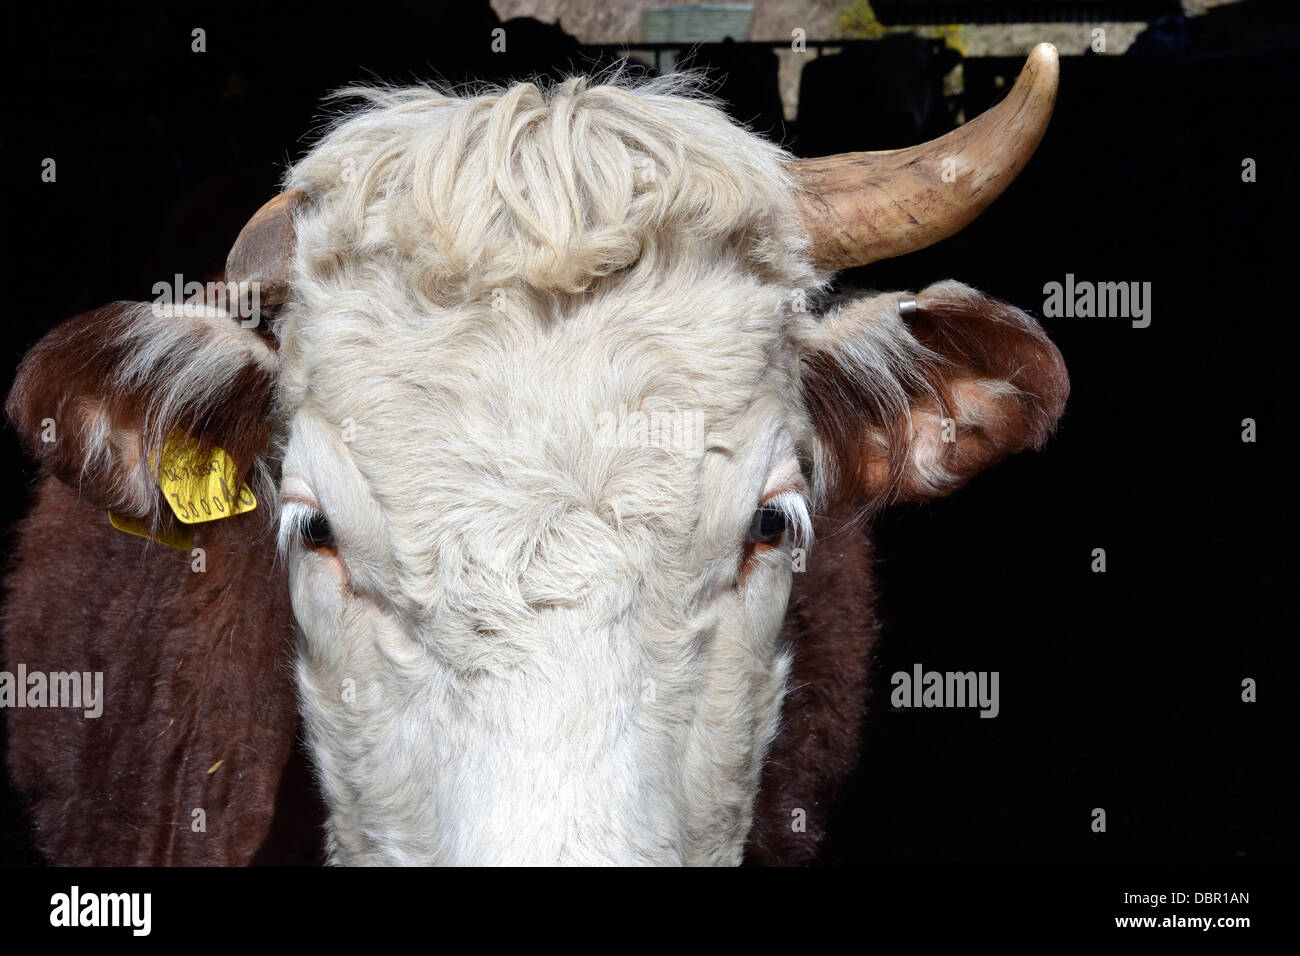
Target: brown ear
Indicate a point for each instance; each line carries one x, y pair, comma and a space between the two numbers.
908, 407
94, 400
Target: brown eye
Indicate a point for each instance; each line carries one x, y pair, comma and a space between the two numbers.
768, 525
317, 532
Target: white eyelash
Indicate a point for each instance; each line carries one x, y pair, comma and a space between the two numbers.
294, 518
794, 506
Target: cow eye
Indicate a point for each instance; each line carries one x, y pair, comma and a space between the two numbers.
768, 525
316, 531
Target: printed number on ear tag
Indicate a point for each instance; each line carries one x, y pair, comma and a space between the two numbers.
200, 488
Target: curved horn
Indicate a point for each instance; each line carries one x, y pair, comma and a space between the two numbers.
263, 250
861, 207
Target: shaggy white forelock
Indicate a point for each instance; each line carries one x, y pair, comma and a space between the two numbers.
552, 187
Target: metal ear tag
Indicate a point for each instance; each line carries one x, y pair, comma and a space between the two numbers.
907, 305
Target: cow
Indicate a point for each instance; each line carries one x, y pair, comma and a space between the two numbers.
514, 477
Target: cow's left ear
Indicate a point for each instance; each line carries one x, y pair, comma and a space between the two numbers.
909, 404
95, 400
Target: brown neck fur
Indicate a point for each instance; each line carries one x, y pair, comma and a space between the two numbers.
198, 669
831, 625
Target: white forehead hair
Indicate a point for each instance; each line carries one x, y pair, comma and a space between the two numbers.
554, 186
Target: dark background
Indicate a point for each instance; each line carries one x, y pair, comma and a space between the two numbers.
1119, 690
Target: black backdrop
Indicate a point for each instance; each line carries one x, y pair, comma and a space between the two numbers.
1119, 690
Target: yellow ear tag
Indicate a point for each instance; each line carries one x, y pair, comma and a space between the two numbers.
201, 489
182, 538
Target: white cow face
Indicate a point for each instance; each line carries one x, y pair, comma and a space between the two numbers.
542, 475
540, 569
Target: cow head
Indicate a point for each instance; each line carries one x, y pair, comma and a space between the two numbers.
547, 407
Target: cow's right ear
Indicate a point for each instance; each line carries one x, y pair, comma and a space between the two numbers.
911, 397
96, 398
